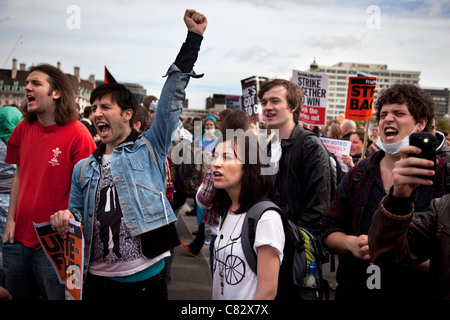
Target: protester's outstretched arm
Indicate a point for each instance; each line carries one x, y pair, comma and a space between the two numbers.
195, 21
196, 24
173, 93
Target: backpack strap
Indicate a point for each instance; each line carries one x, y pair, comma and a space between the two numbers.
249, 229
152, 152
83, 167
335, 167
361, 167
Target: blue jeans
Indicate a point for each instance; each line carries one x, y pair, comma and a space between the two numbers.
29, 274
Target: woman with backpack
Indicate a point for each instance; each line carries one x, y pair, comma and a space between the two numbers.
238, 185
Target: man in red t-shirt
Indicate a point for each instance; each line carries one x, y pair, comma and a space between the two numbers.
45, 146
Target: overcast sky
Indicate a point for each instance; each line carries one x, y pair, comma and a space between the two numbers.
138, 40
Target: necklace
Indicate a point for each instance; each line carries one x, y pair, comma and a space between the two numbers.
222, 264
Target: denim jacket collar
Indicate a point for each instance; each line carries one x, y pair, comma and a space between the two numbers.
100, 151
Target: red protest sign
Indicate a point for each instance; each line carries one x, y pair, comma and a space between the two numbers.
315, 116
360, 94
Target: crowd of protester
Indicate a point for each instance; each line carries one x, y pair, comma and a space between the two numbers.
116, 169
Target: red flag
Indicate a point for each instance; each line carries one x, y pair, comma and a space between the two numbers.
108, 77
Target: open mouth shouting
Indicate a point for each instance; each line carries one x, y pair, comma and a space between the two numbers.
390, 134
30, 99
103, 129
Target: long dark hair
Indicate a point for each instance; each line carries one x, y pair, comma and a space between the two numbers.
254, 185
66, 107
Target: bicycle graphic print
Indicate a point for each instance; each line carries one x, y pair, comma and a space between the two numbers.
231, 268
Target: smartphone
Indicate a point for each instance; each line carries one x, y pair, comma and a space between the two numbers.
428, 143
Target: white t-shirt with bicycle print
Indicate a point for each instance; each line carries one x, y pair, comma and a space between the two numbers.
230, 267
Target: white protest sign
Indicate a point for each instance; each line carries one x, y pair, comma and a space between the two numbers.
315, 96
233, 102
338, 148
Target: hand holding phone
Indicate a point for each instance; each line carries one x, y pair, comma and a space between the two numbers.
427, 142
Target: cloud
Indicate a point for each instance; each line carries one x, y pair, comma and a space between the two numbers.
281, 4
253, 54
330, 42
5, 19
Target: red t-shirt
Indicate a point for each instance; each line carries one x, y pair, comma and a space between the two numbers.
46, 156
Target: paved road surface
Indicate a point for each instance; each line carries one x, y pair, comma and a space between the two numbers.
191, 276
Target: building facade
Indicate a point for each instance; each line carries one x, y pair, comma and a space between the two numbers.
194, 113
441, 98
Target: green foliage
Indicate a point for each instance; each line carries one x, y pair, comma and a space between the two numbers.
443, 124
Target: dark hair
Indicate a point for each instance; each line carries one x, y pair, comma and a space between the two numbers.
294, 94
119, 94
66, 108
237, 119
224, 113
254, 185
361, 135
87, 111
142, 117
420, 104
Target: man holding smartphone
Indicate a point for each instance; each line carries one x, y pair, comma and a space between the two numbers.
401, 110
400, 234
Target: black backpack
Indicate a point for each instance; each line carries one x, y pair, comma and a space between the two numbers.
336, 172
301, 248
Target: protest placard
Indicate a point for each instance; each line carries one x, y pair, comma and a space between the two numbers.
315, 96
364, 74
250, 87
360, 94
65, 255
338, 148
233, 102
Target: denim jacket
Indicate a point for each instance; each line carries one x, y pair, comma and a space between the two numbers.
139, 182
